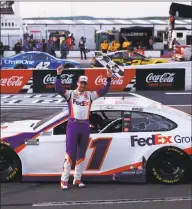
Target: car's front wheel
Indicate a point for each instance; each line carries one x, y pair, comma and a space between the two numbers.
10, 166
20, 66
168, 165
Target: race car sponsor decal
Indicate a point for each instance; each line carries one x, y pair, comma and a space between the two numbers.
32, 141
185, 139
12, 81
16, 62
137, 109
46, 133
158, 139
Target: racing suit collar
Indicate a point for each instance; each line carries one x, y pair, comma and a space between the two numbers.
78, 92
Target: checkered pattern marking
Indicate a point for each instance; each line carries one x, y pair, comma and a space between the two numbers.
131, 86
28, 88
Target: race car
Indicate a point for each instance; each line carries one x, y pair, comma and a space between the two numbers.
126, 58
133, 139
36, 60
182, 53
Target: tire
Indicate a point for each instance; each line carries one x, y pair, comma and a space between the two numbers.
10, 165
168, 165
158, 63
20, 66
68, 66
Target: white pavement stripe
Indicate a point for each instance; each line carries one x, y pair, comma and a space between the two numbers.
180, 105
109, 202
20, 108
178, 93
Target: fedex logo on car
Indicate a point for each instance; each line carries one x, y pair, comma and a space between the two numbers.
155, 139
82, 103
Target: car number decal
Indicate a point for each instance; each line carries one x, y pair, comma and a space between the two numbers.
43, 66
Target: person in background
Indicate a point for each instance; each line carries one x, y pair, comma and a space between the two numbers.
104, 46
126, 44
110, 47
17, 48
64, 50
1, 49
116, 45
73, 39
151, 43
26, 46
44, 45
38, 45
172, 22
69, 42
82, 47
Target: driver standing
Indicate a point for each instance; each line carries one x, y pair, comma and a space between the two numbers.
78, 128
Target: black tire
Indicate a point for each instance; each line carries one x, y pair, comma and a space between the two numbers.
68, 66
158, 62
20, 66
168, 165
10, 165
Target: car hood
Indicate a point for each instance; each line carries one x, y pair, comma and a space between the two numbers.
11, 128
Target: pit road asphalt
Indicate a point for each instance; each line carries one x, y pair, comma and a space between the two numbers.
113, 195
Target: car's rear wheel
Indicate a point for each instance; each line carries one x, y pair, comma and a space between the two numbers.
10, 165
20, 66
168, 165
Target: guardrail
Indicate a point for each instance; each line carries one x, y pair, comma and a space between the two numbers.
168, 77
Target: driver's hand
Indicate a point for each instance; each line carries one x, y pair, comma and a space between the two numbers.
109, 73
59, 70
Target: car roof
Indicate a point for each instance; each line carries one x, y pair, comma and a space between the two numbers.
129, 102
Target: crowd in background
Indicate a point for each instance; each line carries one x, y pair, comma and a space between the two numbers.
126, 45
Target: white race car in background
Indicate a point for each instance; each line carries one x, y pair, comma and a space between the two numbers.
132, 139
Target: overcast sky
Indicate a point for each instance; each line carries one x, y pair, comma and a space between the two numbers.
96, 9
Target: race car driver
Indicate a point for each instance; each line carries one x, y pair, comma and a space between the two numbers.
78, 128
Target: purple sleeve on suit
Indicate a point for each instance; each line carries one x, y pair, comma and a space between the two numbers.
105, 90
59, 88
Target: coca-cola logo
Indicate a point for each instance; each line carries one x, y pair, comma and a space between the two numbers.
102, 80
164, 78
12, 81
65, 79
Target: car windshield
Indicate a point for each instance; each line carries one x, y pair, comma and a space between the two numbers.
137, 55
45, 120
126, 55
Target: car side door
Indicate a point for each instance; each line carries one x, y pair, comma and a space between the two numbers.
48, 155
106, 148
42, 61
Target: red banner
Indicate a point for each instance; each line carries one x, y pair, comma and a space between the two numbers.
13, 81
98, 77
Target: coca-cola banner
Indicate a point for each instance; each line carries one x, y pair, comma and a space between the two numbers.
44, 80
15, 81
98, 78
160, 79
